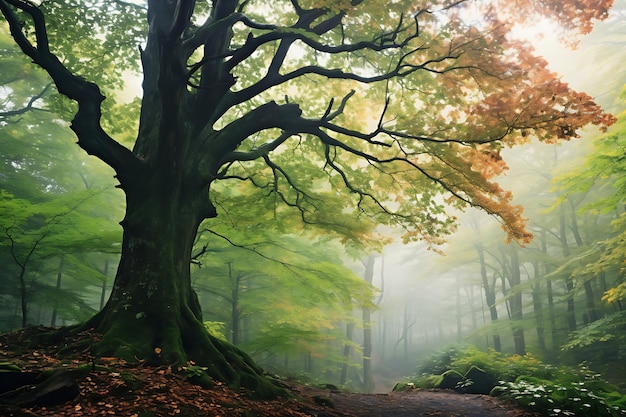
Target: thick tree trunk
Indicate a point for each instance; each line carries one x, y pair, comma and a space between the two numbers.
153, 313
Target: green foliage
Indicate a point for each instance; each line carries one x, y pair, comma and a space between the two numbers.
292, 292
610, 329
584, 397
497, 365
602, 176
617, 293
551, 390
193, 370
216, 328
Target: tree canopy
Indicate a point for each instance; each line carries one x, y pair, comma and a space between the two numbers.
445, 88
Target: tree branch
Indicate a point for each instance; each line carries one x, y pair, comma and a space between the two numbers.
29, 106
267, 116
86, 122
257, 152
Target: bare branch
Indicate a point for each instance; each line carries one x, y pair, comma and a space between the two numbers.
29, 106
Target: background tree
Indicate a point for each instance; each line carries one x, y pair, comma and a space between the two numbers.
229, 98
281, 297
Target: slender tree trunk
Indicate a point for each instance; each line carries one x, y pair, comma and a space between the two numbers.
23, 297
590, 300
459, 320
406, 329
490, 296
347, 348
103, 292
53, 320
569, 284
549, 293
235, 310
538, 308
516, 303
368, 379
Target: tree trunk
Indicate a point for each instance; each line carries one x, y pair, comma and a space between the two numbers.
235, 310
153, 313
490, 296
347, 348
516, 303
590, 300
103, 291
459, 320
549, 293
538, 308
569, 284
368, 379
591, 313
53, 320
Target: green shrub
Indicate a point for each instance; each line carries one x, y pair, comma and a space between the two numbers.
550, 390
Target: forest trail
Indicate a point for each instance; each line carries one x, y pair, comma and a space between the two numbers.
413, 403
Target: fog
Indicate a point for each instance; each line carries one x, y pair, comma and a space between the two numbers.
428, 300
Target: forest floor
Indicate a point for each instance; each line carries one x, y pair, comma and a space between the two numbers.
116, 388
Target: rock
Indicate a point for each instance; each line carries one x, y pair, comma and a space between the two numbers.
58, 388
12, 380
450, 379
481, 383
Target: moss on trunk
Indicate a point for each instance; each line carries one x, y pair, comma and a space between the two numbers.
153, 313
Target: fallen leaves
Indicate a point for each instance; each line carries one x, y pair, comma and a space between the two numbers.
113, 387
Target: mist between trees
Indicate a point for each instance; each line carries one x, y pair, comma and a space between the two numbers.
263, 201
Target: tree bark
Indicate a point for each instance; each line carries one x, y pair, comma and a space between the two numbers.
153, 313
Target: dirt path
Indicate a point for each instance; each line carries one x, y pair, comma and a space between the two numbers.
415, 403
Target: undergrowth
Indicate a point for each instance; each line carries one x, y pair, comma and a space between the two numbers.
548, 389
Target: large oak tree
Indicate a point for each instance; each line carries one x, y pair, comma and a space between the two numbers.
384, 106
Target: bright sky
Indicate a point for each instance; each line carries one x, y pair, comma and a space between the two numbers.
585, 68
